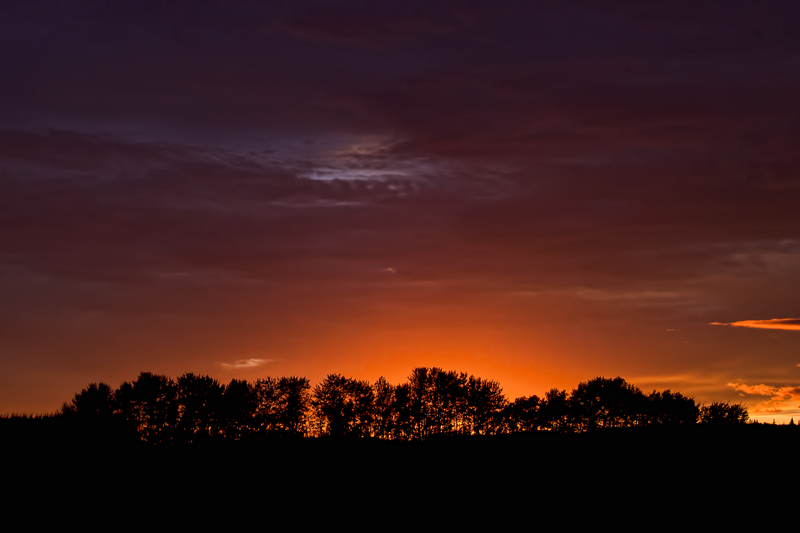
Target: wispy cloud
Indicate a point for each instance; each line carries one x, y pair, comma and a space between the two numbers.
246, 363
782, 399
774, 323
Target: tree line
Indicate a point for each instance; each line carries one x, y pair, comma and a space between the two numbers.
431, 402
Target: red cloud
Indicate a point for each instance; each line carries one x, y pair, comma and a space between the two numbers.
782, 398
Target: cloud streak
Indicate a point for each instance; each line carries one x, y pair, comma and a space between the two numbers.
246, 363
792, 324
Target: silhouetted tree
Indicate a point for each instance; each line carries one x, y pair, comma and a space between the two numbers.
671, 408
363, 400
485, 402
723, 413
450, 409
295, 401
607, 403
523, 414
421, 401
238, 410
343, 406
149, 403
282, 405
384, 416
92, 405
268, 405
199, 406
402, 407
555, 412
438, 402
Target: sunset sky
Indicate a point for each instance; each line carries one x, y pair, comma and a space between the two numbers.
537, 193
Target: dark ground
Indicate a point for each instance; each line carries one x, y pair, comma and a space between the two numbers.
650, 471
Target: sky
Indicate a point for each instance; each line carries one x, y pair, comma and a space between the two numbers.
537, 193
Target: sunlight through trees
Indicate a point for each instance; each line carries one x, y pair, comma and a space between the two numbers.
432, 402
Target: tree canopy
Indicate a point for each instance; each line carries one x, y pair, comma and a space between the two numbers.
431, 402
